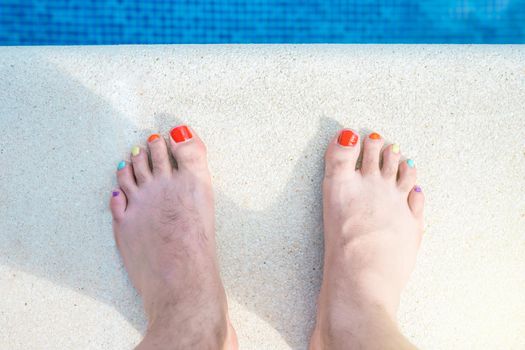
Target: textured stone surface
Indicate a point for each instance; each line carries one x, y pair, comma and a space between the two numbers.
68, 115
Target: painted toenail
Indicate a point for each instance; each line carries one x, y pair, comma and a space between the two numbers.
115, 193
181, 133
347, 138
135, 150
417, 188
121, 165
395, 148
153, 137
374, 136
411, 163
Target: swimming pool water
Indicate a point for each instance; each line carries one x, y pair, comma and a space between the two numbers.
32, 22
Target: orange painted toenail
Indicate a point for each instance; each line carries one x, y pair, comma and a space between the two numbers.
374, 136
180, 133
347, 138
153, 137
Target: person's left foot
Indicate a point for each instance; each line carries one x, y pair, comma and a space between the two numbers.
164, 226
373, 226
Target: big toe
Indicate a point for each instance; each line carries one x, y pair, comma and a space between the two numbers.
342, 153
188, 149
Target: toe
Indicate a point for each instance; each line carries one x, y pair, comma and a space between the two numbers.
416, 201
390, 162
342, 153
141, 168
407, 175
117, 204
188, 149
159, 155
125, 178
372, 148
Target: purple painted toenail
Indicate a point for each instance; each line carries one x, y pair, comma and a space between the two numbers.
115, 193
417, 188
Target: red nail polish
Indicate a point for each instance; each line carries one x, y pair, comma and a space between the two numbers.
153, 137
180, 133
374, 136
348, 138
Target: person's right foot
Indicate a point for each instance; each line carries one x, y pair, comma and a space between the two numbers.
373, 225
164, 225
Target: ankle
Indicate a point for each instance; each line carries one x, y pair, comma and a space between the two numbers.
204, 326
363, 290
187, 333
363, 325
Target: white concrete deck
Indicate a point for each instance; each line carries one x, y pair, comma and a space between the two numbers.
68, 115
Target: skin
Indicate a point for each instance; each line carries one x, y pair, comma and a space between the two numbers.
373, 225
163, 221
164, 226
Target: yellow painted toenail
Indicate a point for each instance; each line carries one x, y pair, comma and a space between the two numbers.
395, 148
135, 150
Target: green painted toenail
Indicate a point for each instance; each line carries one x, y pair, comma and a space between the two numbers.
395, 148
135, 150
121, 165
411, 163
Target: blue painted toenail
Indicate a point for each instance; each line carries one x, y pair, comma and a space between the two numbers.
411, 163
121, 165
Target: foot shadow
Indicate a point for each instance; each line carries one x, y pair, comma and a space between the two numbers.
57, 154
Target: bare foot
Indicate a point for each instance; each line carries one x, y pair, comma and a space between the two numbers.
164, 225
373, 224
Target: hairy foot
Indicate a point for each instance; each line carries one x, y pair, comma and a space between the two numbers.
373, 224
164, 226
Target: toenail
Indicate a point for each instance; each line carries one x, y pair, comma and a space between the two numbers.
115, 193
180, 133
374, 136
121, 165
417, 188
153, 137
347, 138
411, 163
135, 150
395, 148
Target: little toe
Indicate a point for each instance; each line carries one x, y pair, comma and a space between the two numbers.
125, 178
390, 162
117, 204
407, 175
141, 168
188, 149
159, 155
372, 149
342, 153
416, 201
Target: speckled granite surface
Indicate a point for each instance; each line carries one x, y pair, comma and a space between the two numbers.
68, 115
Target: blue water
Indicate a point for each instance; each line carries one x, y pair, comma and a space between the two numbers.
32, 22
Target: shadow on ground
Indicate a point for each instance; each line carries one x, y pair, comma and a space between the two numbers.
56, 178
